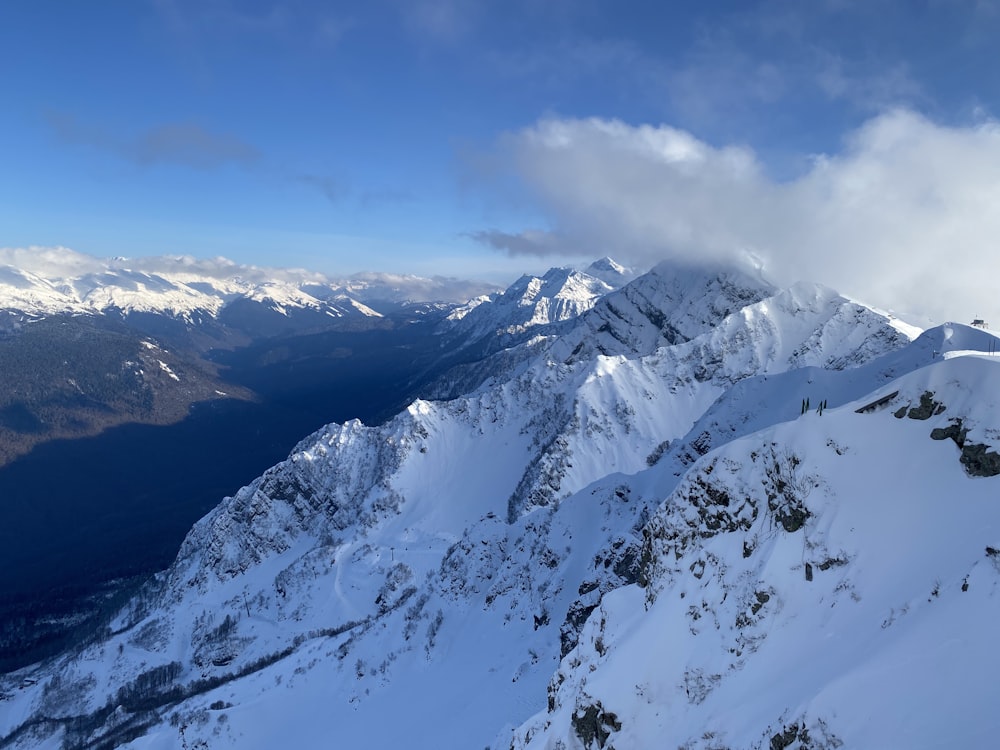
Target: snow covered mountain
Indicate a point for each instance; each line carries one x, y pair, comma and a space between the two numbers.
77, 332
825, 582
41, 281
493, 335
638, 536
611, 272
528, 304
179, 294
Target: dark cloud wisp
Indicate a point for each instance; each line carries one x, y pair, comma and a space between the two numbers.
182, 144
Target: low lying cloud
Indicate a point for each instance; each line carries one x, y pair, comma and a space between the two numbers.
904, 216
215, 268
51, 262
60, 263
372, 286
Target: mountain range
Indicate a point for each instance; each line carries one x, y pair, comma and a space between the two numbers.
686, 509
88, 343
203, 399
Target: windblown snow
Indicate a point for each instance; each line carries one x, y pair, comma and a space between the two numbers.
639, 536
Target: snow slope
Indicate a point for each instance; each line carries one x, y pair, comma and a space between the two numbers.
418, 584
829, 581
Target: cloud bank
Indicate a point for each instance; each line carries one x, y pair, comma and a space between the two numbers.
904, 216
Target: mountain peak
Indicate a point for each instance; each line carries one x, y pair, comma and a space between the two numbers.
610, 272
560, 294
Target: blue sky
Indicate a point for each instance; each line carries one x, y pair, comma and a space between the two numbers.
487, 138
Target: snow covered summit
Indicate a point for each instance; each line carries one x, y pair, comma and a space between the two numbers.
611, 272
529, 303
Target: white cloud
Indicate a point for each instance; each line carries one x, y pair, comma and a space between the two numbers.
905, 216
50, 262
60, 263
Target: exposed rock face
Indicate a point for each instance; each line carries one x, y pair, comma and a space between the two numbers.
977, 458
594, 726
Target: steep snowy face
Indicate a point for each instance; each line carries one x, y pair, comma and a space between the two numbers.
450, 557
624, 410
573, 424
570, 423
798, 576
669, 305
807, 325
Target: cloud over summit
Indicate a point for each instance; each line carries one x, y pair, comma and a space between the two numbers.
904, 215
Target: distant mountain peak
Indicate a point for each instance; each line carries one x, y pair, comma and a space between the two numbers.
610, 271
530, 303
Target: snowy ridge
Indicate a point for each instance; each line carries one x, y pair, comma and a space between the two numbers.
585, 419
648, 313
530, 302
440, 568
668, 305
505, 331
41, 281
180, 295
797, 577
